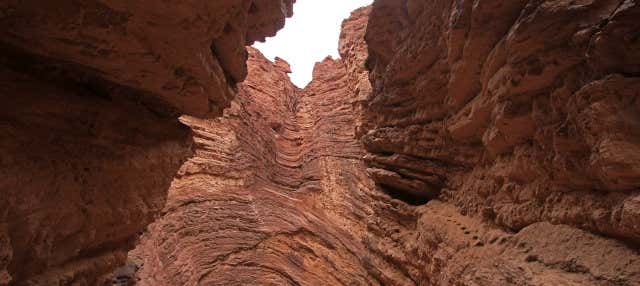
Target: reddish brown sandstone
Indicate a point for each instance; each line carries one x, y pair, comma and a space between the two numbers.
89, 137
263, 200
277, 193
499, 145
188, 55
286, 199
508, 110
520, 114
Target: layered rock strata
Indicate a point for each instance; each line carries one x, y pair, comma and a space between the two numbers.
269, 196
186, 55
518, 111
286, 200
89, 136
521, 117
278, 194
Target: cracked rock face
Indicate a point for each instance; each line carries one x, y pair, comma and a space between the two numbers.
89, 136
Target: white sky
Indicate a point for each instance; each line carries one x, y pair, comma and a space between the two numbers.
310, 35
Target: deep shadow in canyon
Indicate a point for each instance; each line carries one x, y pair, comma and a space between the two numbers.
453, 143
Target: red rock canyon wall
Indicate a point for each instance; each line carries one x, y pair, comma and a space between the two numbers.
89, 136
454, 143
287, 200
466, 133
280, 203
522, 118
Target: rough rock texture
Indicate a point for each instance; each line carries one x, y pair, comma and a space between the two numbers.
353, 51
523, 110
89, 136
525, 116
278, 192
187, 54
463, 250
81, 175
267, 199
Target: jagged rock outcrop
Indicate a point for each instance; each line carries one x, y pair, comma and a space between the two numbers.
353, 51
522, 117
89, 136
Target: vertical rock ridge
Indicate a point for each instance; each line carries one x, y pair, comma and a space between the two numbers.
285, 198
267, 196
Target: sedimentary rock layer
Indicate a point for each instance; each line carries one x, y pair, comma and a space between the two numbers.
81, 175
526, 111
522, 118
278, 194
263, 200
89, 136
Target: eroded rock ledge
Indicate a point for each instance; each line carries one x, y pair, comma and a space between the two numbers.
89, 136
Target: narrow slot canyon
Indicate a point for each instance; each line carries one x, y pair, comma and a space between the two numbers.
451, 143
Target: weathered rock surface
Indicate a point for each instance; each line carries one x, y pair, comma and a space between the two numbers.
526, 110
81, 175
524, 117
463, 143
279, 194
269, 196
463, 250
89, 136
188, 55
353, 51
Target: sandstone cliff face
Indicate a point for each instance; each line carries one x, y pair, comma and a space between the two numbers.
278, 192
509, 109
89, 136
81, 175
482, 143
267, 198
515, 115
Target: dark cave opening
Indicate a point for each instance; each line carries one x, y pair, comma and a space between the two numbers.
413, 198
